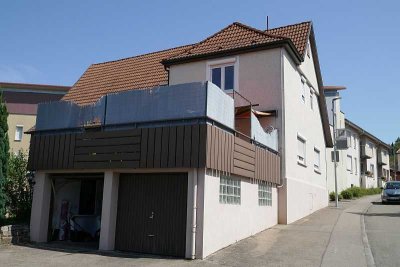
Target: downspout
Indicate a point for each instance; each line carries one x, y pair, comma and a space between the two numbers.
283, 154
194, 214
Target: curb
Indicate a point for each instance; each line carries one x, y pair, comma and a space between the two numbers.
367, 249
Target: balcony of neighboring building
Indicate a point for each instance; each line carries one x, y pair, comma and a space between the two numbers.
366, 151
383, 157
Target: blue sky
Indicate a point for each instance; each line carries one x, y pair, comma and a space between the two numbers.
53, 42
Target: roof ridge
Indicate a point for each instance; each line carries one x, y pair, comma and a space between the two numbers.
145, 54
203, 41
258, 30
290, 25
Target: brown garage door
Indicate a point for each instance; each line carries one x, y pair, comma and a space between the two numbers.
151, 214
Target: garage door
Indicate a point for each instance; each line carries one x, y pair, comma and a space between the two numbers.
151, 214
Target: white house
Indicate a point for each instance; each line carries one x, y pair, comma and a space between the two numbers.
236, 122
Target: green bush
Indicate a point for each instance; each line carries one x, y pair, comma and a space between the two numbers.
332, 196
356, 191
346, 194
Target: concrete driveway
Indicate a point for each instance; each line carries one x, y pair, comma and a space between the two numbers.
330, 237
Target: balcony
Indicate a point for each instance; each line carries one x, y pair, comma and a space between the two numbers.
366, 152
383, 158
181, 126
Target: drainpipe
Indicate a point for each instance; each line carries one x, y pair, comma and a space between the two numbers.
194, 214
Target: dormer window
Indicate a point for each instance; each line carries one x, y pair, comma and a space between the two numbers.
223, 73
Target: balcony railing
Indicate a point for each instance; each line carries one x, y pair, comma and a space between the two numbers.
366, 152
382, 158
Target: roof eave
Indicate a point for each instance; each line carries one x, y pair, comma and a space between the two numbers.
321, 98
285, 43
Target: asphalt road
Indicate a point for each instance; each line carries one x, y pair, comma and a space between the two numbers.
382, 223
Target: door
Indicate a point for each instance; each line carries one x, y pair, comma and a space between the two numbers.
151, 216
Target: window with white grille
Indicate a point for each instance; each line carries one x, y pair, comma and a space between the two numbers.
264, 194
229, 190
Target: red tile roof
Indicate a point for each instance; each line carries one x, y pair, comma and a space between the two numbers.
147, 71
298, 33
232, 37
144, 71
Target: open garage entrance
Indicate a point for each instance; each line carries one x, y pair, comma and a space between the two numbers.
151, 216
75, 208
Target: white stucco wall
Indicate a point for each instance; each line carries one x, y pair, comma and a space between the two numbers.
259, 78
225, 224
305, 188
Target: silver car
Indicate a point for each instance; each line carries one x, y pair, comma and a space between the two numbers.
391, 192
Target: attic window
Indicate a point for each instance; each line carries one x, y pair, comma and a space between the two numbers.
223, 73
308, 50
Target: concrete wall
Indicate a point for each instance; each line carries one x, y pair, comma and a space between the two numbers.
370, 181
224, 224
27, 121
305, 188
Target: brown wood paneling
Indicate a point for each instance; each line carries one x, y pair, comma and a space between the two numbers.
143, 147
159, 226
194, 151
150, 148
203, 146
67, 150
172, 147
61, 152
157, 148
180, 131
187, 146
71, 152
164, 147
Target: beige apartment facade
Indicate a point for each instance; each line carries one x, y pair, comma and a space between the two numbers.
21, 101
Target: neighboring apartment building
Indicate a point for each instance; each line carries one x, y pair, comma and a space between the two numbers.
374, 158
229, 140
21, 101
366, 159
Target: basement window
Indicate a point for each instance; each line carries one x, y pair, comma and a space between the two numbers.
264, 194
229, 190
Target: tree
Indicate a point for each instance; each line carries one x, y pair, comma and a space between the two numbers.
18, 188
4, 154
395, 148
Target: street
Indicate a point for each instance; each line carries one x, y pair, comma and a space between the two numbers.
330, 237
382, 223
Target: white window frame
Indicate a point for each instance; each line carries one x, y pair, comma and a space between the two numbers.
311, 98
349, 168
229, 190
317, 167
303, 89
355, 166
372, 169
302, 160
233, 61
264, 193
19, 126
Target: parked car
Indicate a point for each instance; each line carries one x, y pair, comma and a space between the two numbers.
391, 192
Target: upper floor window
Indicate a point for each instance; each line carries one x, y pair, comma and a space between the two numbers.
355, 166
371, 168
308, 49
303, 90
19, 130
223, 73
317, 159
311, 99
301, 150
349, 163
